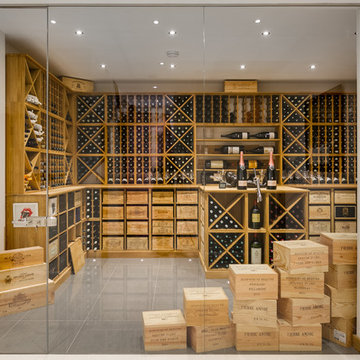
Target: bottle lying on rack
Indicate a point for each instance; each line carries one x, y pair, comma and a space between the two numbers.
261, 150
241, 174
237, 135
264, 135
271, 174
231, 149
216, 164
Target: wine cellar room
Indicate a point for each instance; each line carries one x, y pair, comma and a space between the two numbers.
179, 180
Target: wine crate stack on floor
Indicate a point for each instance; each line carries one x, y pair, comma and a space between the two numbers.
340, 285
302, 305
255, 292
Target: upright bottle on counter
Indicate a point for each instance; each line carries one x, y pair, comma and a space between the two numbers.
241, 174
256, 251
271, 174
255, 217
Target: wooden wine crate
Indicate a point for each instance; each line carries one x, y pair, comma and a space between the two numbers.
187, 197
343, 302
187, 242
113, 227
113, 243
187, 227
301, 285
137, 243
341, 276
299, 338
137, 227
113, 212
10, 259
113, 197
186, 212
256, 338
317, 227
163, 227
208, 305
162, 212
319, 197
345, 212
78, 198
78, 85
342, 247
250, 282
240, 86
136, 212
319, 212
162, 243
300, 256
345, 197
53, 249
137, 197
255, 313
210, 338
22, 277
162, 197
164, 330
345, 227
340, 331
25, 298
304, 311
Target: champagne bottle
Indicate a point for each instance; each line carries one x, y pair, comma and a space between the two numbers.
255, 219
215, 164
237, 135
256, 251
261, 150
271, 174
241, 174
230, 149
265, 135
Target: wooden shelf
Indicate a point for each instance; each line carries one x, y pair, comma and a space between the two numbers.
237, 124
239, 140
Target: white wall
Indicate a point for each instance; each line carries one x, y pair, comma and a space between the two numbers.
2, 141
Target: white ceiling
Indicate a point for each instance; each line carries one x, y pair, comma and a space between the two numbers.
213, 42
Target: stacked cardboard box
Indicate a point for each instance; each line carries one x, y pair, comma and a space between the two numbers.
255, 291
23, 277
341, 286
302, 305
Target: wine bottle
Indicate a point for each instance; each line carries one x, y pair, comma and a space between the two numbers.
261, 150
255, 219
215, 164
237, 135
264, 135
271, 174
241, 174
231, 149
256, 251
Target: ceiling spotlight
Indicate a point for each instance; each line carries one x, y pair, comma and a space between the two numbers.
257, 21
172, 66
154, 87
156, 22
79, 32
172, 32
242, 67
162, 64
53, 21
172, 53
313, 67
103, 66
265, 33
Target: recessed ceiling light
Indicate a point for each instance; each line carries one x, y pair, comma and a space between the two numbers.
242, 67
79, 32
53, 21
172, 53
265, 33
257, 21
154, 87
172, 66
156, 22
103, 66
162, 63
313, 67
172, 32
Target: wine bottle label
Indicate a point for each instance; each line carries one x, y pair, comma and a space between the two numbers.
216, 164
268, 149
242, 183
271, 135
271, 183
245, 135
234, 150
256, 255
255, 218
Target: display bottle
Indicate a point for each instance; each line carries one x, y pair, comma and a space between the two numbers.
241, 174
265, 135
256, 251
271, 174
262, 150
215, 164
255, 218
237, 135
231, 149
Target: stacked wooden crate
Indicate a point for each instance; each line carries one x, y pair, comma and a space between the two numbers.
23, 277
255, 291
341, 286
303, 305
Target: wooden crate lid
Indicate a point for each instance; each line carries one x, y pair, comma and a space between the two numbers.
251, 269
295, 245
339, 236
205, 293
283, 323
341, 295
32, 248
163, 318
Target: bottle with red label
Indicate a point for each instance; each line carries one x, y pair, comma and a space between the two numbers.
271, 174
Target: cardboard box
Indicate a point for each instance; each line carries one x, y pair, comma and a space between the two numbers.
300, 337
206, 306
300, 256
256, 338
301, 285
15, 258
340, 331
255, 312
304, 311
210, 338
342, 247
250, 282
341, 276
164, 330
343, 302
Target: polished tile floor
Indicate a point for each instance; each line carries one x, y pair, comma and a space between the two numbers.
98, 311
